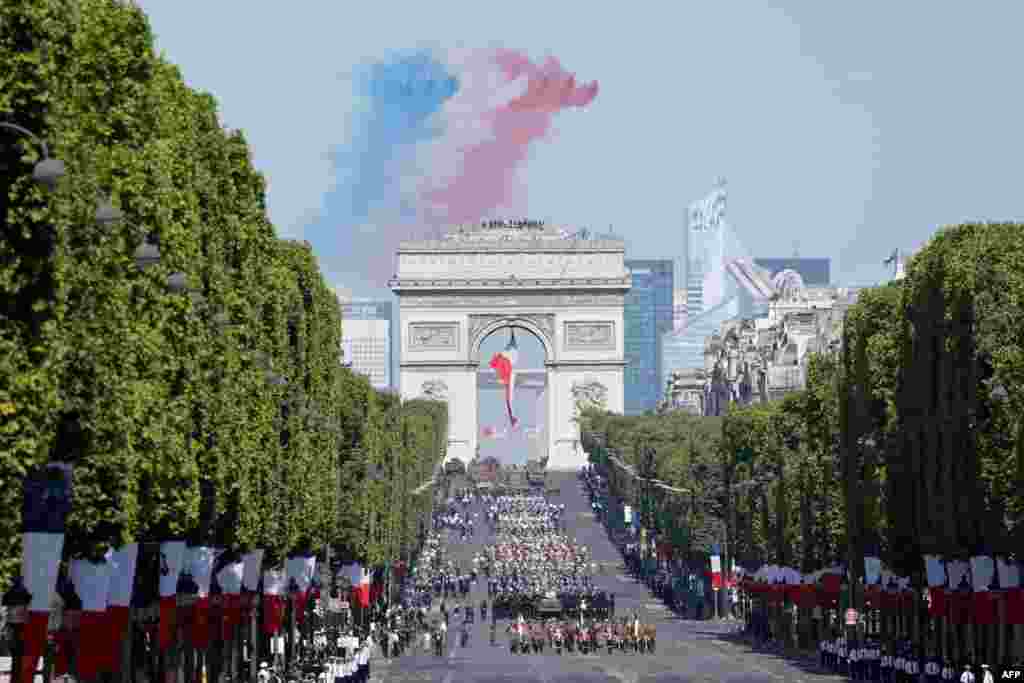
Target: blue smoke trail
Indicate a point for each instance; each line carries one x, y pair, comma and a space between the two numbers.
399, 101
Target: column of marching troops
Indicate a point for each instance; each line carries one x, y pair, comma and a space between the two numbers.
901, 662
907, 653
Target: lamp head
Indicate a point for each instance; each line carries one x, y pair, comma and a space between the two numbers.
48, 172
177, 283
107, 214
147, 255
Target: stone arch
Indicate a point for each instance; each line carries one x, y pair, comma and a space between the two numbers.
486, 327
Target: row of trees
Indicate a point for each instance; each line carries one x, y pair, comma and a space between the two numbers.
906, 441
161, 401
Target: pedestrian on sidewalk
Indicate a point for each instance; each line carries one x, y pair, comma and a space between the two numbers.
967, 676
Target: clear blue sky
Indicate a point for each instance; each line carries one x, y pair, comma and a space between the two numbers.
848, 129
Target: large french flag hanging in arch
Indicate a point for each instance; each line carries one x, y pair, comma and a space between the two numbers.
504, 364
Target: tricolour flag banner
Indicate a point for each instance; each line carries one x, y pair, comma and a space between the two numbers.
982, 570
199, 564
119, 601
1009, 574
253, 562
936, 571
301, 569
45, 505
958, 570
937, 601
172, 559
504, 364
360, 585
872, 570
230, 580
274, 596
377, 582
92, 583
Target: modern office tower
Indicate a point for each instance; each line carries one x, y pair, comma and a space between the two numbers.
712, 294
366, 340
648, 315
679, 309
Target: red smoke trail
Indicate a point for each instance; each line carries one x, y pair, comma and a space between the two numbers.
487, 168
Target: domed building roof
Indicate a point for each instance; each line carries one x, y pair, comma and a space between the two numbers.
788, 284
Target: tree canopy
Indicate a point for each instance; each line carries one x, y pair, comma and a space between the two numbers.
160, 400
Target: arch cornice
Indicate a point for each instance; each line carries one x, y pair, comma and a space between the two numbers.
541, 325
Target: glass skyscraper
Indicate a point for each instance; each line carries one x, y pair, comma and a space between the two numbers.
648, 315
712, 295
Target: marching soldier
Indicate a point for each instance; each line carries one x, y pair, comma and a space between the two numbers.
853, 660
933, 669
843, 656
874, 655
886, 665
948, 672
914, 666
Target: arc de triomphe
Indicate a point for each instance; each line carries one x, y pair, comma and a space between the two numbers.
568, 291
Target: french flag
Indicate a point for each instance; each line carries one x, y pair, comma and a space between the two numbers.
252, 566
504, 363
200, 563
92, 583
274, 596
229, 578
361, 585
172, 559
301, 569
46, 504
119, 599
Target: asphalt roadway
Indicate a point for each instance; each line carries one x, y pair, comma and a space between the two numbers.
687, 650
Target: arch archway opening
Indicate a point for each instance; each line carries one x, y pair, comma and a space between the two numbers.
522, 436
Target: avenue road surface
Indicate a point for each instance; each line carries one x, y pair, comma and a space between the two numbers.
687, 650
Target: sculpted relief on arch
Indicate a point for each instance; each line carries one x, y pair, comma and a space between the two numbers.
589, 393
435, 390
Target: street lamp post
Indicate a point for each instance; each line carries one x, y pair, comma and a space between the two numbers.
48, 171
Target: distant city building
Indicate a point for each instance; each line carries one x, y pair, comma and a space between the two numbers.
816, 272
648, 314
367, 344
679, 309
712, 295
749, 360
684, 349
752, 303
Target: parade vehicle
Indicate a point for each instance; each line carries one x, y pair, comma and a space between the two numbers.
549, 606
